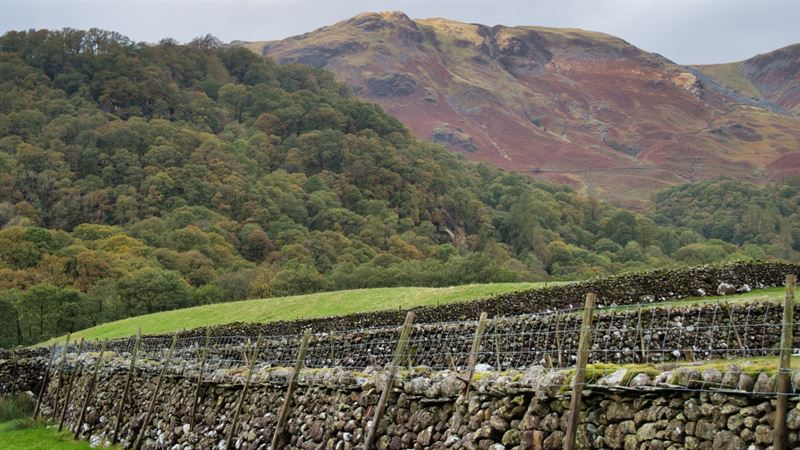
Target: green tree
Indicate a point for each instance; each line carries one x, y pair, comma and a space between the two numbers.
150, 290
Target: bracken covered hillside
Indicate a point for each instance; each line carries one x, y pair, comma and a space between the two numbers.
578, 107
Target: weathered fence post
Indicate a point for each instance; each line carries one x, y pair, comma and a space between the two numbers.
399, 351
497, 352
473, 353
203, 357
580, 371
68, 398
736, 330
127, 387
279, 436
138, 443
639, 332
54, 400
784, 375
89, 389
251, 364
45, 380
558, 339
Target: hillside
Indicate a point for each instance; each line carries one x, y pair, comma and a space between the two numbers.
772, 76
139, 178
310, 306
572, 106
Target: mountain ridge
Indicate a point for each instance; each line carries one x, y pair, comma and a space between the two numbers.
773, 76
578, 107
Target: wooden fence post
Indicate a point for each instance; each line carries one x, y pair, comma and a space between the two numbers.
45, 380
203, 356
127, 387
580, 371
68, 398
558, 339
54, 400
89, 389
253, 357
138, 443
473, 353
784, 375
639, 332
279, 436
399, 351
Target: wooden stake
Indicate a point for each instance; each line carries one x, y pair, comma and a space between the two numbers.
580, 371
68, 398
138, 443
736, 331
497, 351
279, 437
89, 389
779, 439
639, 331
127, 387
405, 333
473, 353
332, 339
203, 357
54, 400
45, 380
558, 338
251, 364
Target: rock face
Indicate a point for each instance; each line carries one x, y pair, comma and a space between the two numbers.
498, 414
562, 100
393, 85
447, 134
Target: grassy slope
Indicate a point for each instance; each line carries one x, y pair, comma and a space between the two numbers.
729, 75
295, 307
341, 303
37, 437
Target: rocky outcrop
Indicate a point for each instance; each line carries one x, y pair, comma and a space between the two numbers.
394, 85
454, 137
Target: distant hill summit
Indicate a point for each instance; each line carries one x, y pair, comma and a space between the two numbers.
572, 106
772, 76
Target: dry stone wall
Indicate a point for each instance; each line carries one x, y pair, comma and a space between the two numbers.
526, 410
21, 374
657, 334
523, 407
626, 289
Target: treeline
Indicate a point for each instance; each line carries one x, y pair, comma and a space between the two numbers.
136, 178
761, 219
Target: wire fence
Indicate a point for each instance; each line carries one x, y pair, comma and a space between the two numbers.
652, 338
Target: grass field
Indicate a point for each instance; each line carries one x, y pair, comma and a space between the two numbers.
23, 434
297, 307
346, 302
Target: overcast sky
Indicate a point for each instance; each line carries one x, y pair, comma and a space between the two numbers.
686, 31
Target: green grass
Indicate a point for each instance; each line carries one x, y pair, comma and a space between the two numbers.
25, 434
348, 302
16, 406
297, 307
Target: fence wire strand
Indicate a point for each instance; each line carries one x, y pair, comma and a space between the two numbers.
652, 335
